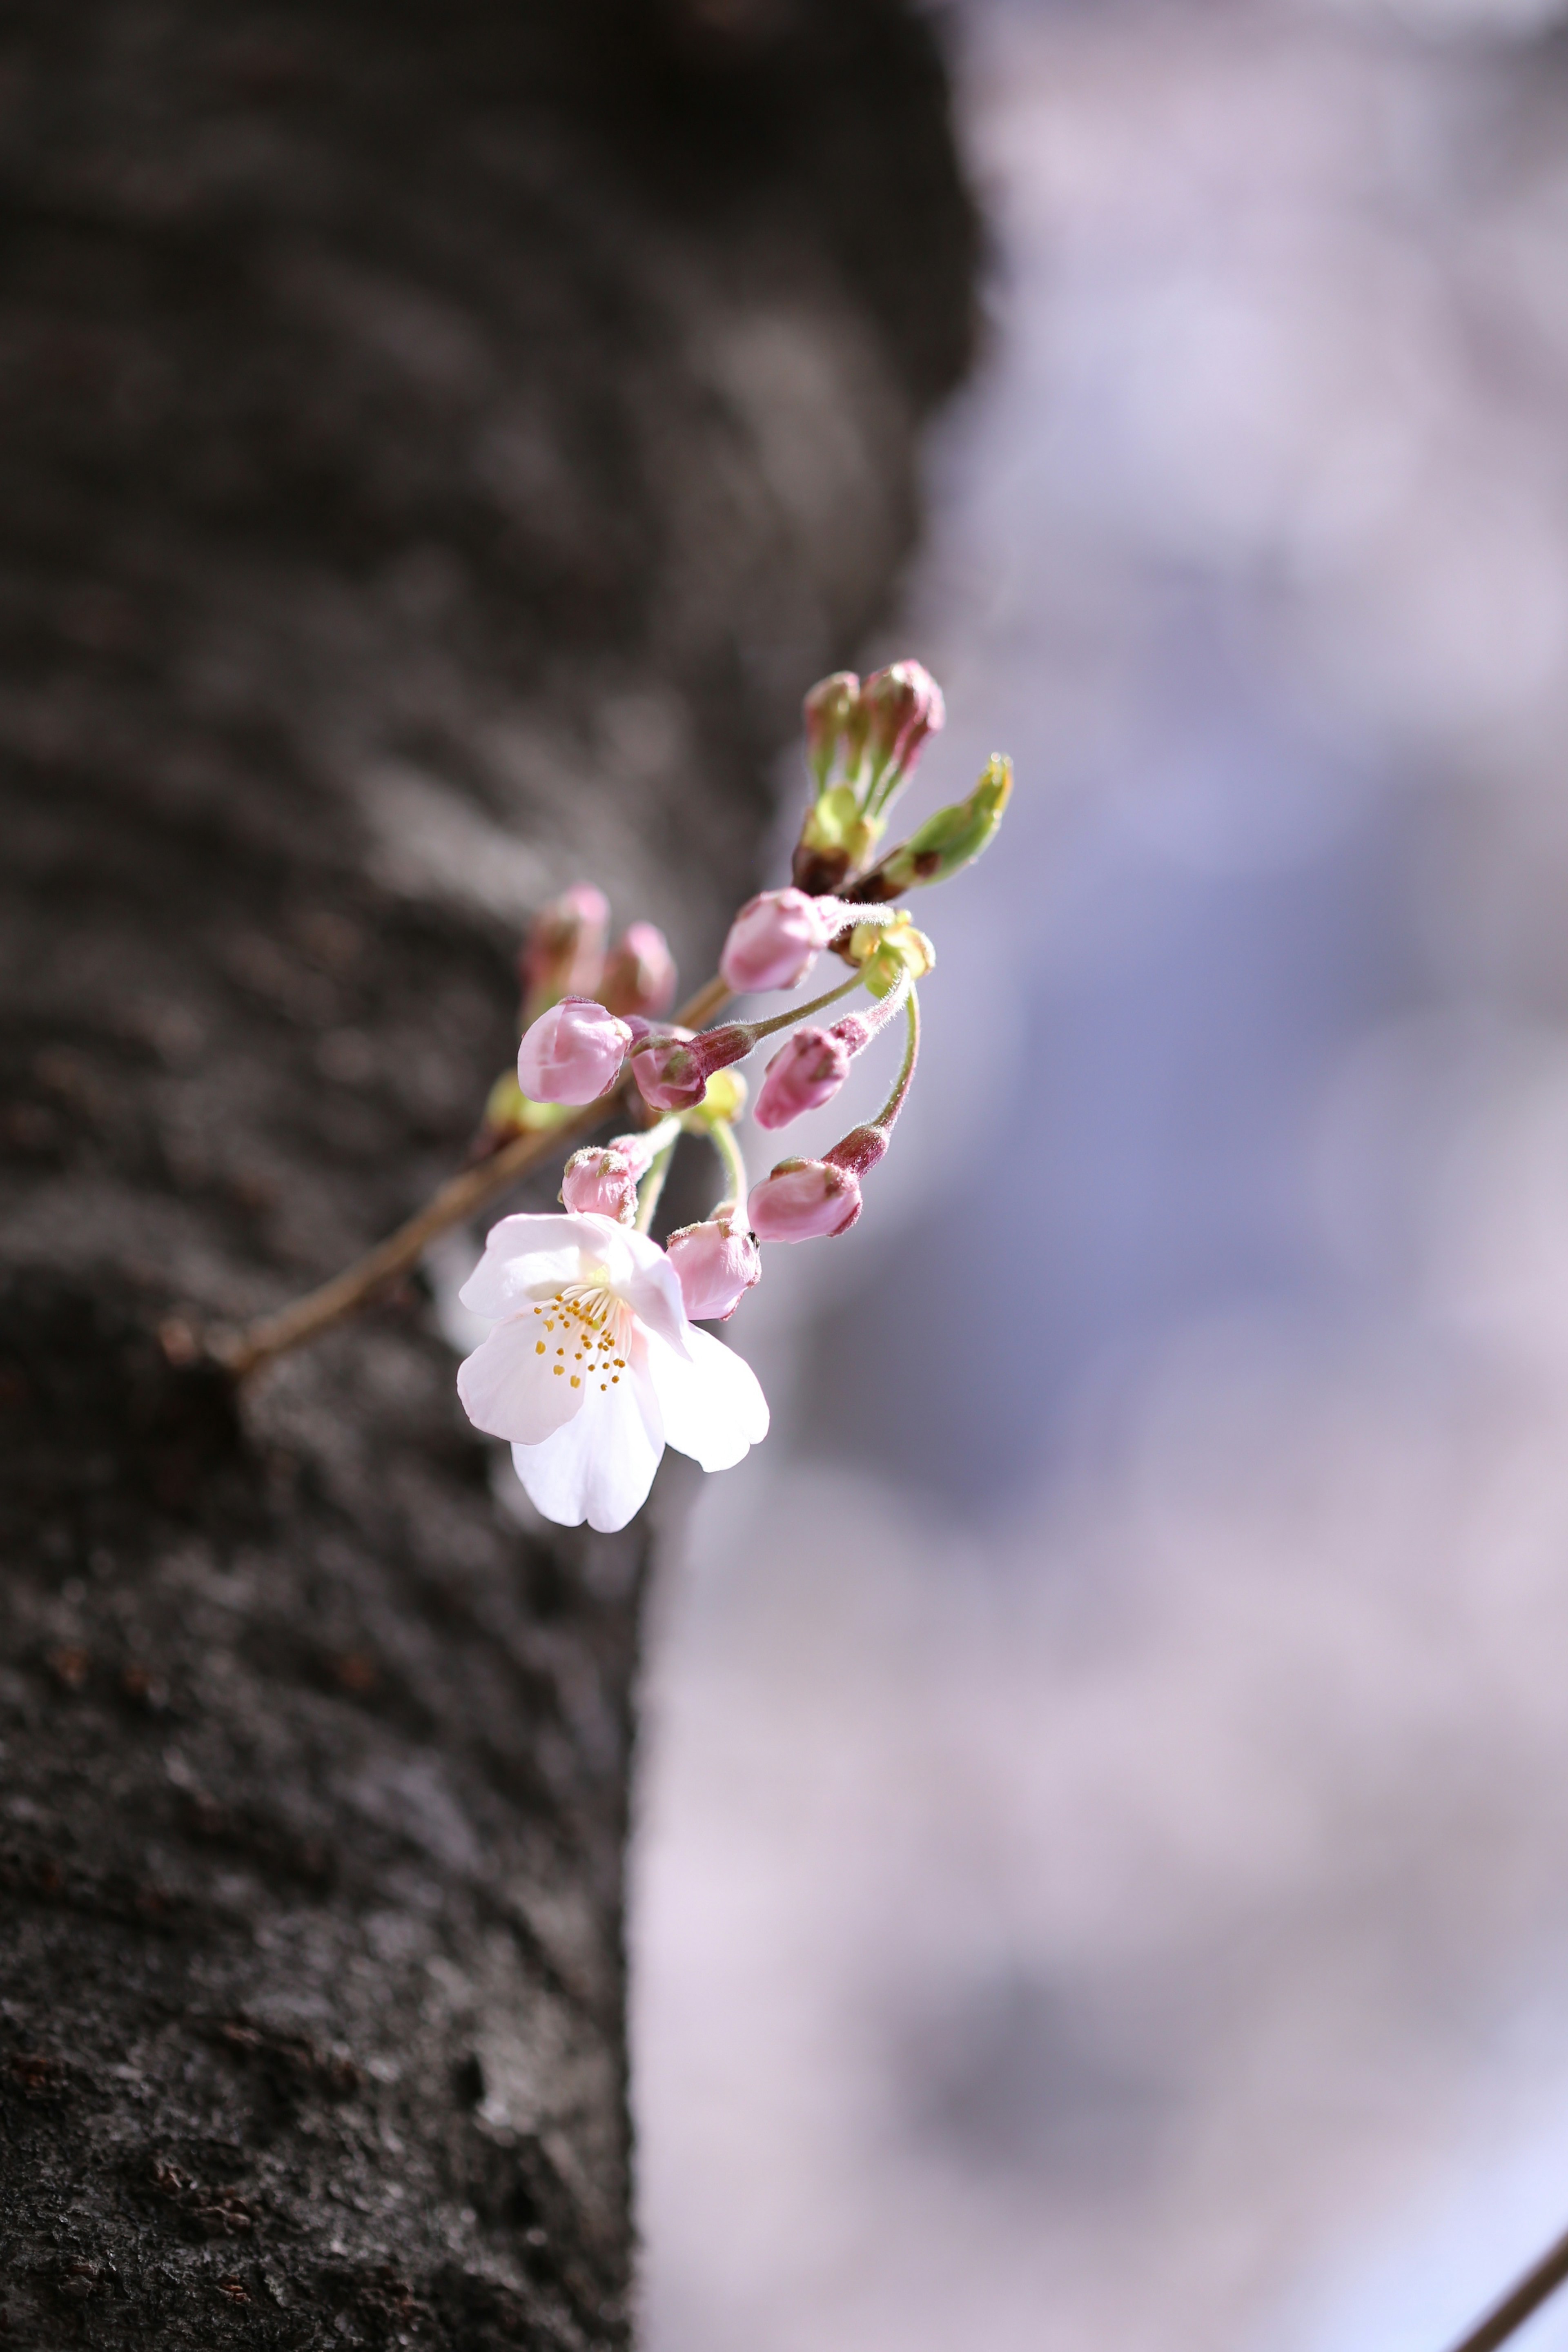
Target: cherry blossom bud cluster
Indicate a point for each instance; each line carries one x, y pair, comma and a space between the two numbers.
565, 955
862, 743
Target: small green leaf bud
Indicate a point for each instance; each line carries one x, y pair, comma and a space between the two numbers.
947, 841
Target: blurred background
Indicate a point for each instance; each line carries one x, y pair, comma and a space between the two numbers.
1102, 1874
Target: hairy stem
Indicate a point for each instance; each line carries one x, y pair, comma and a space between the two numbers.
895, 1101
721, 1136
651, 1187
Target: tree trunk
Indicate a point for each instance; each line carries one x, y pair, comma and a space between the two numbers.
440, 442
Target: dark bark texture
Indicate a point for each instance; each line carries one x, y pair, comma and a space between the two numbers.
439, 441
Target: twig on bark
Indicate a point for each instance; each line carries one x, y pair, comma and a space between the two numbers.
1521, 2300
269, 1336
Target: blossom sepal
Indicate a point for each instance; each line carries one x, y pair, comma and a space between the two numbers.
672, 1068
806, 1073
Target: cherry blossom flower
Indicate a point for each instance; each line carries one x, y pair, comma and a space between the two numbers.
593, 1368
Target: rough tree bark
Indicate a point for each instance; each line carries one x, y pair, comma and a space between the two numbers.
440, 440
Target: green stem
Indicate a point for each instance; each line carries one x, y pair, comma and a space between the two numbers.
895, 1101
721, 1136
661, 1139
651, 1187
761, 1029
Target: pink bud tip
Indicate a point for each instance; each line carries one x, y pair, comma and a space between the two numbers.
775, 939
640, 974
716, 1263
572, 1052
672, 1067
807, 1072
565, 951
905, 706
803, 1199
602, 1180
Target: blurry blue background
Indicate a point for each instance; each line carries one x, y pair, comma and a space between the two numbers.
1102, 1876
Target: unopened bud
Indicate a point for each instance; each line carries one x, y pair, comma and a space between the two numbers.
639, 976
602, 1181
802, 1200
903, 705
716, 1263
672, 1068
572, 1052
947, 841
776, 937
807, 1072
564, 954
833, 719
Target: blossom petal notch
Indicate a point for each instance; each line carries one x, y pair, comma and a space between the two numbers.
593, 1368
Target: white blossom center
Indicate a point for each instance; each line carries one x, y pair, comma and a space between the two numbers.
584, 1331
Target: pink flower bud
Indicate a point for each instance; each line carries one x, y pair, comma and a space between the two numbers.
829, 710
776, 937
672, 1067
602, 1180
565, 951
803, 1199
640, 974
807, 1072
904, 706
716, 1263
572, 1052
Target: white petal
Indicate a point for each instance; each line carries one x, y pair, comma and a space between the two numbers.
530, 1257
653, 1293
508, 1386
713, 1407
601, 1466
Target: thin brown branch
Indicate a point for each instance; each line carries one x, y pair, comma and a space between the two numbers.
1521, 2300
459, 1198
